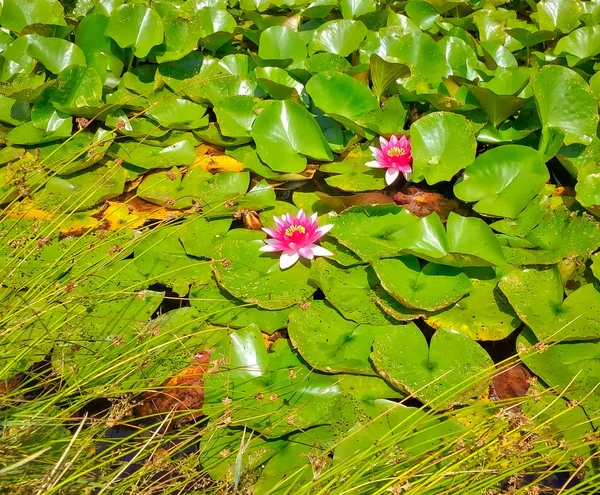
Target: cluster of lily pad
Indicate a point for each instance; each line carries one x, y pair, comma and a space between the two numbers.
117, 116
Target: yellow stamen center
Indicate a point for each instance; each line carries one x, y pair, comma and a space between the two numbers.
289, 232
395, 151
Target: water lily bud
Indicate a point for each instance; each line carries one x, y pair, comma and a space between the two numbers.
252, 221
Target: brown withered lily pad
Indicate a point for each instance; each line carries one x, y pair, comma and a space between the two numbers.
421, 202
182, 392
512, 382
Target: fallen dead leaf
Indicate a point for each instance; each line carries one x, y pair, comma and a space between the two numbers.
421, 203
134, 213
340, 203
511, 383
68, 225
28, 212
564, 191
269, 340
132, 185
213, 160
182, 392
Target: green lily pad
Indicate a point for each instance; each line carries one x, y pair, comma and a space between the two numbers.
566, 421
172, 340
160, 258
150, 157
20, 62
341, 254
430, 288
54, 53
397, 427
100, 51
78, 153
547, 236
84, 189
199, 235
216, 27
220, 453
537, 297
565, 104
443, 143
147, 355
14, 112
561, 15
255, 277
282, 43
285, 134
78, 92
181, 32
235, 115
451, 370
596, 265
460, 55
356, 8
540, 206
384, 73
420, 53
340, 37
16, 15
389, 119
324, 61
220, 308
588, 187
467, 241
136, 26
330, 343
352, 175
341, 96
571, 368
280, 85
210, 192
28, 134
372, 232
269, 392
580, 44
177, 113
32, 333
503, 180
484, 314
350, 291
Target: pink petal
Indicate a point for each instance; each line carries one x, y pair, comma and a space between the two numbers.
393, 141
288, 258
301, 216
278, 221
384, 144
268, 249
374, 164
324, 229
306, 252
273, 245
391, 175
403, 167
270, 232
380, 156
321, 251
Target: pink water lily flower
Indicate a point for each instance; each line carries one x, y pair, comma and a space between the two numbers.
394, 155
295, 236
